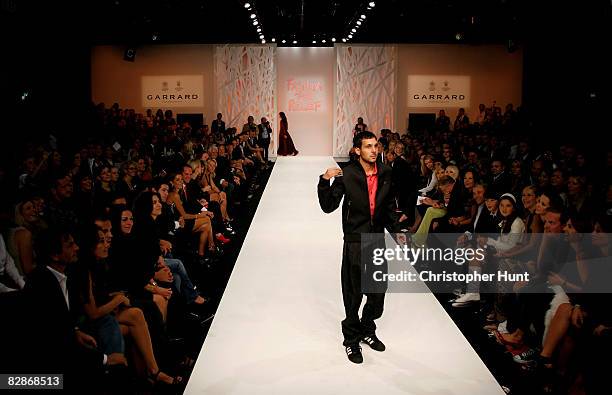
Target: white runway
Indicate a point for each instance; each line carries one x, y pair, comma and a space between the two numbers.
277, 329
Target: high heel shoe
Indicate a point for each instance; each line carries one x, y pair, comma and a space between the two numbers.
155, 380
222, 238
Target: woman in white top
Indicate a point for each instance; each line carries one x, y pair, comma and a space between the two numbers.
512, 227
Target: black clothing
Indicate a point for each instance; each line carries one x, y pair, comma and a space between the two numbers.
403, 181
264, 142
53, 343
356, 219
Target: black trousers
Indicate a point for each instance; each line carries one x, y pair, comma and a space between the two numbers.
265, 144
354, 328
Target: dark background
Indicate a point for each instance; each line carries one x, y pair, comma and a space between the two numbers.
46, 47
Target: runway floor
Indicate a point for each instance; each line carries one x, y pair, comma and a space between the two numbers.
277, 328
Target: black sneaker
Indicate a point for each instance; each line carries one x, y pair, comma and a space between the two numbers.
374, 342
354, 353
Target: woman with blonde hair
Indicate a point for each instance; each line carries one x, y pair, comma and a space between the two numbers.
20, 240
208, 185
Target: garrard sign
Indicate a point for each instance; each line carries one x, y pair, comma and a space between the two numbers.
438, 91
173, 91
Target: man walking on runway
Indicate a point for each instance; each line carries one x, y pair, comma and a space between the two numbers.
368, 207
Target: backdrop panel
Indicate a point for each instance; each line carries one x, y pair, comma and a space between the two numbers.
245, 84
365, 87
305, 94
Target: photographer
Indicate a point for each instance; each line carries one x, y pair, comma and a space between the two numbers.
264, 135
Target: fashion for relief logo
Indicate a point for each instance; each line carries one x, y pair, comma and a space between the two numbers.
304, 95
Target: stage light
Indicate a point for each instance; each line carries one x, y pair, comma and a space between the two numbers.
372, 4
253, 16
273, 40
314, 41
363, 16
284, 41
344, 40
333, 39
259, 30
263, 41
247, 5
155, 36
294, 41
350, 36
359, 22
459, 36
261, 36
354, 30
255, 23
323, 41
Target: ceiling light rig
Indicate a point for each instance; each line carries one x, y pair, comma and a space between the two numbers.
252, 12
358, 20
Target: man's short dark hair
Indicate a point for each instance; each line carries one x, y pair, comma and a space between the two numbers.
50, 242
563, 214
359, 137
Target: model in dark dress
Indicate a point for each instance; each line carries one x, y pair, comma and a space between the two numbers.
285, 142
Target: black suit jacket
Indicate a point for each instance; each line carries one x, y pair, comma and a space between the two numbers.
356, 218
486, 222
501, 184
54, 343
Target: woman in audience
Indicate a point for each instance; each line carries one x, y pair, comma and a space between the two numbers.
100, 306
20, 240
208, 185
573, 314
75, 167
133, 271
129, 185
512, 226
199, 223
534, 226
115, 173
103, 191
452, 171
144, 169
151, 260
437, 207
544, 179
83, 195
469, 208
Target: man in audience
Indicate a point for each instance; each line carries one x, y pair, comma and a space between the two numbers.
246, 128
442, 122
60, 210
218, 125
264, 134
59, 344
499, 181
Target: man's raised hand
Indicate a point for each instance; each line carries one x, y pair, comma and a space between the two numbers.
332, 172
